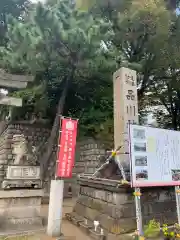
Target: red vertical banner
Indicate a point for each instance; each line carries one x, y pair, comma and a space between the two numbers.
67, 142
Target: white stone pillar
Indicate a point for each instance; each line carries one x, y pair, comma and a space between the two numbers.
55, 208
125, 109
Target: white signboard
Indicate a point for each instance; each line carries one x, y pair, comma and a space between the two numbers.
155, 156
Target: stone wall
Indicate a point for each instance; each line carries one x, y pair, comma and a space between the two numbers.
89, 152
113, 205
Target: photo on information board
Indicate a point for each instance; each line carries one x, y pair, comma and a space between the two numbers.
139, 134
140, 147
140, 160
141, 174
175, 175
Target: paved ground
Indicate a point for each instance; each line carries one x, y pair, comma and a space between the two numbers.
68, 229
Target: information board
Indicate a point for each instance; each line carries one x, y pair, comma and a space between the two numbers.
155, 156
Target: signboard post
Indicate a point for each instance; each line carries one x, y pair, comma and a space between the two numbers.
137, 195
155, 155
177, 194
64, 166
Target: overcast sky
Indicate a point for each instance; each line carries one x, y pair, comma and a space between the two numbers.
34, 1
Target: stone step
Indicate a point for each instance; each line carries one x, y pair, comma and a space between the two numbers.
68, 216
85, 227
111, 236
74, 218
65, 238
96, 235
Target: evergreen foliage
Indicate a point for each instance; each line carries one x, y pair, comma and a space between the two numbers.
72, 52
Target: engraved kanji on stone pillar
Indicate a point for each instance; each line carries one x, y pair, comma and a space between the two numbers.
125, 108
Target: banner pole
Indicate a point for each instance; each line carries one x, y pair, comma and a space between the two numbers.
56, 199
55, 208
137, 195
64, 166
177, 194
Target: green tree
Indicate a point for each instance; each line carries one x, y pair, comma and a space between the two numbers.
88, 4
15, 8
140, 29
166, 80
73, 54
63, 48
147, 38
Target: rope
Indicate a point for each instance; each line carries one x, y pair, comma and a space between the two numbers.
113, 154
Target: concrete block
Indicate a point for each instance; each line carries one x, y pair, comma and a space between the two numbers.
23, 223
20, 210
22, 193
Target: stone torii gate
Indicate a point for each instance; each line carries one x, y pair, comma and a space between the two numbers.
14, 80
20, 190
8, 80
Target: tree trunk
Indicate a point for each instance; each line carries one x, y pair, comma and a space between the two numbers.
44, 160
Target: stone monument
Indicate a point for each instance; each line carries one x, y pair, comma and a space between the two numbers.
23, 173
125, 110
20, 197
21, 190
103, 197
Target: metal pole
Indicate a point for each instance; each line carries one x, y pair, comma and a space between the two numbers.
137, 195
177, 194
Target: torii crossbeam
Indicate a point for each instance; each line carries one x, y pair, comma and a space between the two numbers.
8, 80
